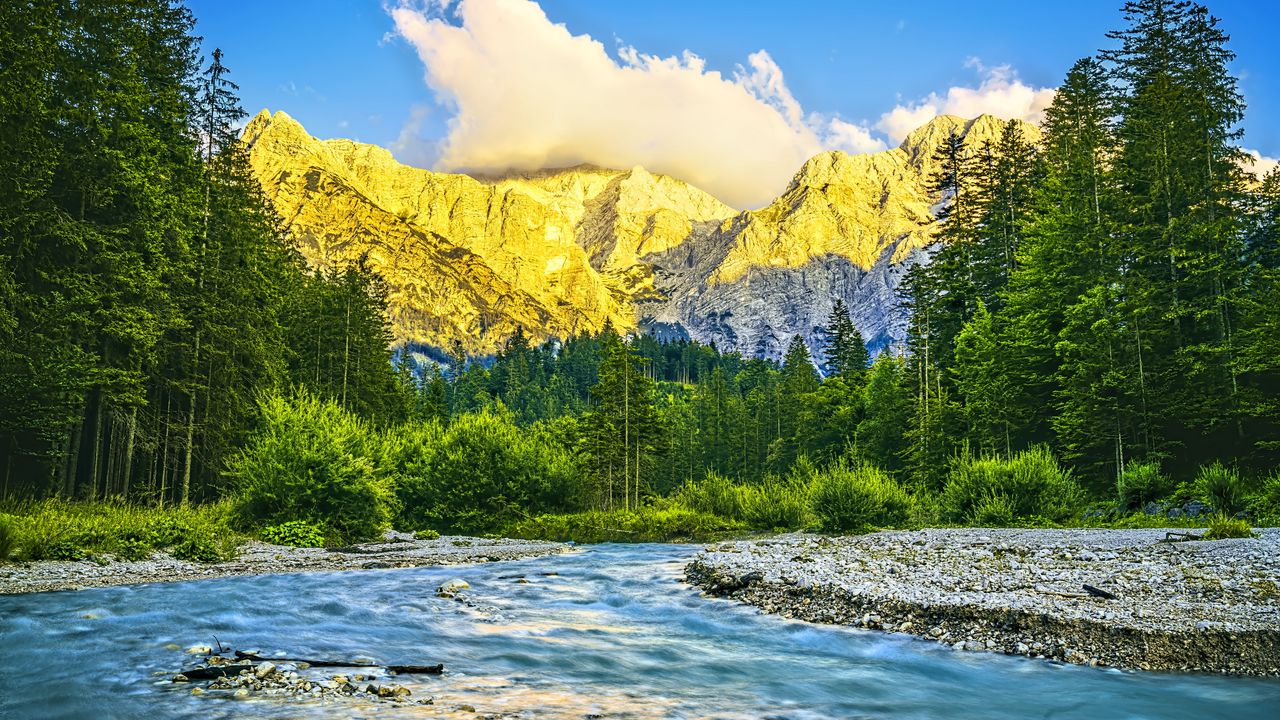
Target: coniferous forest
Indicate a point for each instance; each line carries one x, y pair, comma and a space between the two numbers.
1095, 339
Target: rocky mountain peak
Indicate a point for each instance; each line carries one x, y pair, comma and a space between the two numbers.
562, 251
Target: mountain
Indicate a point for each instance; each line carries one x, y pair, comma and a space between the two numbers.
470, 259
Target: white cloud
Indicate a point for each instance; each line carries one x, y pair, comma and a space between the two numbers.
1001, 93
525, 93
841, 135
1260, 164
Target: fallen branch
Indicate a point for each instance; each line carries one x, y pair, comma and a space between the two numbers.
1173, 537
398, 669
215, 671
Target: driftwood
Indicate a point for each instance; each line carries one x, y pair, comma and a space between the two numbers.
398, 669
1098, 592
215, 671
1180, 537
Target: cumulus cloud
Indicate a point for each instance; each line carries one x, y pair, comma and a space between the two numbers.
1260, 164
525, 93
1001, 93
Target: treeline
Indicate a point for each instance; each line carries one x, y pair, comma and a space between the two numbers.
1110, 291
148, 295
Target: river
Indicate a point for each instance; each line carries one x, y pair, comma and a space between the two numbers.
606, 631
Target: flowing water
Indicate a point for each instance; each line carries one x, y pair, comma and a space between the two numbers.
608, 631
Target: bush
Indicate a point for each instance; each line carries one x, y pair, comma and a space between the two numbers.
775, 504
426, 535
313, 461
6, 538
201, 547
295, 533
994, 510
1031, 482
1141, 483
1220, 487
854, 498
132, 549
1266, 503
714, 495
1222, 527
477, 476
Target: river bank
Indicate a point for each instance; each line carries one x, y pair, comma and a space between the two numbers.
396, 550
1184, 606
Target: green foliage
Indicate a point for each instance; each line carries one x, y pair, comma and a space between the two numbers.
7, 539
993, 510
478, 475
668, 522
1223, 527
776, 504
714, 495
1220, 487
315, 462
426, 535
55, 530
1031, 482
1266, 502
1140, 483
295, 533
858, 497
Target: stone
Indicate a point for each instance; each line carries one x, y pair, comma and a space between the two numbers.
199, 650
241, 693
264, 669
197, 691
452, 588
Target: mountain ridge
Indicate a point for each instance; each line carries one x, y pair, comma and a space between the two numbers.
562, 251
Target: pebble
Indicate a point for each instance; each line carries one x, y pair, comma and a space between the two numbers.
967, 590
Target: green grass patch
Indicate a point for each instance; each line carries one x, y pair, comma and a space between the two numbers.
1223, 527
59, 530
671, 523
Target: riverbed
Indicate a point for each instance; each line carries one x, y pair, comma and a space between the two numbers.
608, 631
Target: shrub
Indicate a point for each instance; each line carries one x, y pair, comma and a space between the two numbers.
1031, 482
1266, 503
853, 498
296, 533
132, 549
201, 547
994, 510
713, 494
1140, 483
313, 461
775, 504
477, 476
1220, 487
6, 538
426, 535
1222, 527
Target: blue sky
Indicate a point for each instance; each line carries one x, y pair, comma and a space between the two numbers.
343, 69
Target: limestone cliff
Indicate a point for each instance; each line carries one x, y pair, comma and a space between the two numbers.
468, 260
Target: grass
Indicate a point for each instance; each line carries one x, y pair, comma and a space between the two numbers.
59, 530
666, 523
1223, 527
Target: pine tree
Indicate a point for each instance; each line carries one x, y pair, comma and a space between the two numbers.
845, 352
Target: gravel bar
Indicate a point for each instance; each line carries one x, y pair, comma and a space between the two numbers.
397, 550
1193, 606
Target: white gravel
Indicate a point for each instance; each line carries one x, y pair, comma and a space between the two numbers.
257, 558
1195, 606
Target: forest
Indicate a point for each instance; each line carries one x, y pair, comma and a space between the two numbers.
1096, 338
